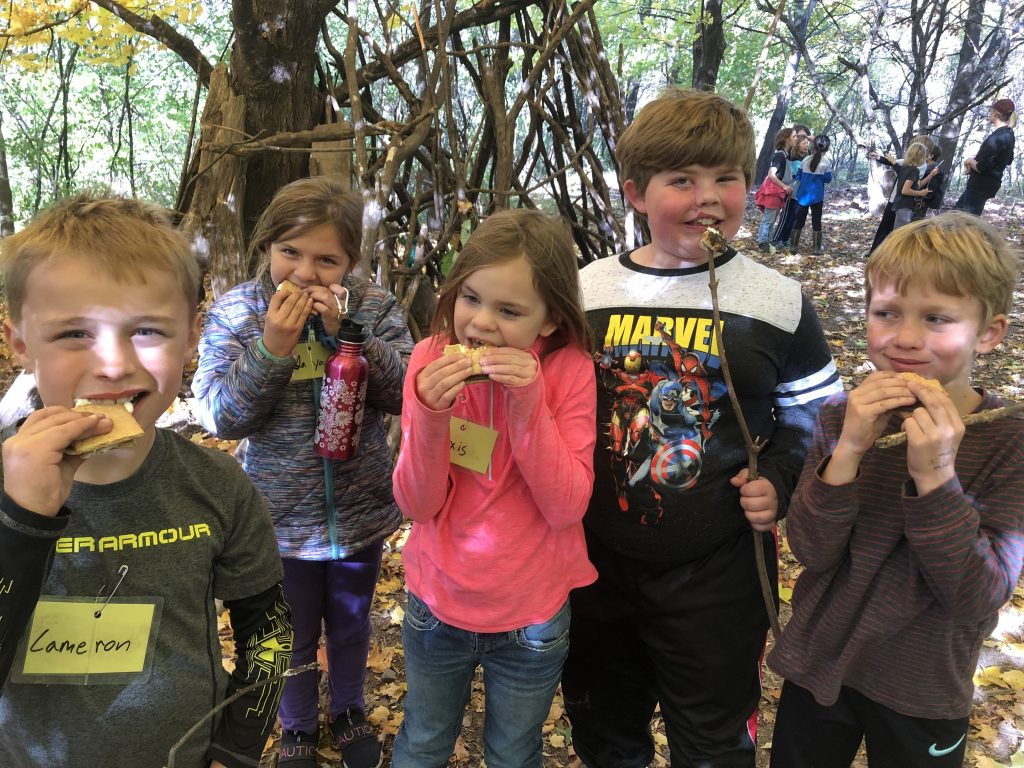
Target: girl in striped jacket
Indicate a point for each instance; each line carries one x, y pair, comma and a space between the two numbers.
248, 386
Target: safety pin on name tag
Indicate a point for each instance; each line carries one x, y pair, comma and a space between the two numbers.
122, 572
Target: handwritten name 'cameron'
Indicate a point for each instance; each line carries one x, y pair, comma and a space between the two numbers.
79, 648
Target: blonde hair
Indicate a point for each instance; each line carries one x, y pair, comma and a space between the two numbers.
545, 243
917, 154
684, 127
124, 238
956, 253
302, 206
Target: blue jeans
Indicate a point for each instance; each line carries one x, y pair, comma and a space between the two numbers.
764, 232
521, 673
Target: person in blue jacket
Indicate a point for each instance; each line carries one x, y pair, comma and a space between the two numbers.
815, 172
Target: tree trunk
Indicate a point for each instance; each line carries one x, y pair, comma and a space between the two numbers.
272, 64
708, 46
6, 199
214, 218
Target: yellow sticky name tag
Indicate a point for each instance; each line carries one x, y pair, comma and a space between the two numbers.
310, 360
471, 444
67, 642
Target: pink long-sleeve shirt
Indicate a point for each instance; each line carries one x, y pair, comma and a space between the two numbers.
497, 551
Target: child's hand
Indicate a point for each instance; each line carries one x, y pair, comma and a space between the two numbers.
934, 431
758, 499
286, 316
440, 382
867, 412
868, 407
327, 302
509, 366
37, 473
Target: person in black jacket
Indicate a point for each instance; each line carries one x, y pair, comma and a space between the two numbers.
985, 170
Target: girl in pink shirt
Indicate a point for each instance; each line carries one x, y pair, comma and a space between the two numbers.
495, 472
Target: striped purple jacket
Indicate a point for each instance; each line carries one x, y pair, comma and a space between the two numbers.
241, 394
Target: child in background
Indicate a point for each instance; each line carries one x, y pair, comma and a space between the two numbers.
814, 174
888, 220
676, 617
909, 552
496, 476
102, 295
934, 181
912, 180
780, 179
784, 221
247, 386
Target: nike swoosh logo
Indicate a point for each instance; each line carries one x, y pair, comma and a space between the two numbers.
934, 750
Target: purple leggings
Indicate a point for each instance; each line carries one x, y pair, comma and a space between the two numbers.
337, 593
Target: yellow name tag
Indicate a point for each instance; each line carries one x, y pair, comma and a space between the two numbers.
310, 360
67, 642
472, 444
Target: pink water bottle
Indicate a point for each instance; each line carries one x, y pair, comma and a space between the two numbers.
343, 396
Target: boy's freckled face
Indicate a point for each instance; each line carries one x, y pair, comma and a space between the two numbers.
86, 335
933, 334
681, 204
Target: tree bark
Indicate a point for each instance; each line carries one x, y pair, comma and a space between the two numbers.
6, 198
708, 46
272, 64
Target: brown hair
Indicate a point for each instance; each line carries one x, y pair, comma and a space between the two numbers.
545, 243
782, 137
304, 205
125, 238
684, 127
956, 254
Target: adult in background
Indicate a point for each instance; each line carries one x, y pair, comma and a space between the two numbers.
985, 169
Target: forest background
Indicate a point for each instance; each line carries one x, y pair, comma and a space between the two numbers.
441, 111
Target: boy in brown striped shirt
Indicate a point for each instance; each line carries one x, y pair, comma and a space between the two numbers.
909, 552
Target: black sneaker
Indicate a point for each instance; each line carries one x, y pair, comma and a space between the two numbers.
297, 749
356, 741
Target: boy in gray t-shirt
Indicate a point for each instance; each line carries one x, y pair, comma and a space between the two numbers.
112, 562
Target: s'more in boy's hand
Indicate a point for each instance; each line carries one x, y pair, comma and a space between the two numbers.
125, 431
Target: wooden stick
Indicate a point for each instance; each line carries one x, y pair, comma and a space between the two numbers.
982, 417
173, 754
714, 243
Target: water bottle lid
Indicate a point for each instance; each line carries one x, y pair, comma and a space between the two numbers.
351, 332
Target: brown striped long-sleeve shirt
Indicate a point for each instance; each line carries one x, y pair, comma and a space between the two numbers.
900, 590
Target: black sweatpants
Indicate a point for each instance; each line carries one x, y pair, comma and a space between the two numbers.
810, 735
801, 216
688, 636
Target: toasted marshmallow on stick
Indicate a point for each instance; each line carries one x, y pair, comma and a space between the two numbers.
125, 431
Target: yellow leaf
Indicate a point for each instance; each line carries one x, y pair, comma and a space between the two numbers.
557, 740
660, 739
786, 594
397, 614
1015, 679
990, 676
